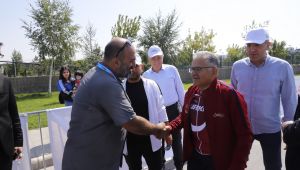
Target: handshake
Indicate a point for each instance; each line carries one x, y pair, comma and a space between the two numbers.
161, 131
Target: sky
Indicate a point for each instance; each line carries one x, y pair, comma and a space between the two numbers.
227, 18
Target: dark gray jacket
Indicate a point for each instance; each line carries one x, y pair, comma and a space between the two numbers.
10, 127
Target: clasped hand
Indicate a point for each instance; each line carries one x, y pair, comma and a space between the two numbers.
162, 131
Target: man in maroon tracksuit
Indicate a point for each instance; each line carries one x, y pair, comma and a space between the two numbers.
217, 132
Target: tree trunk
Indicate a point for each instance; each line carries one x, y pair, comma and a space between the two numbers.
50, 78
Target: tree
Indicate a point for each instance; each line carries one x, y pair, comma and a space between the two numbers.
235, 52
52, 33
16, 64
279, 50
126, 27
91, 49
17, 61
163, 32
294, 55
200, 41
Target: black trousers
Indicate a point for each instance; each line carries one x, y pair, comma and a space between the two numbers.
173, 112
135, 153
198, 161
5, 160
292, 158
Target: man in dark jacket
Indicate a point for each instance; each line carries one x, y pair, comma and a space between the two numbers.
217, 132
291, 136
11, 138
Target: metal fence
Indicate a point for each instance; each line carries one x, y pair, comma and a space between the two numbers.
36, 140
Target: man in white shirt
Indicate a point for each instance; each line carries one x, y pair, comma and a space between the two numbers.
168, 79
147, 102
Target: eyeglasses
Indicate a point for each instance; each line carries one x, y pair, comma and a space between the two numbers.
122, 48
197, 69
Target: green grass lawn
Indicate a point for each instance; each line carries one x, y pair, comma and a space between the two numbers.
30, 102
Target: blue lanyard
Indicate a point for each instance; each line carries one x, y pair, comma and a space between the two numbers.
102, 67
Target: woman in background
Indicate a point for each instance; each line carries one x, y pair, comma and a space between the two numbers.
65, 86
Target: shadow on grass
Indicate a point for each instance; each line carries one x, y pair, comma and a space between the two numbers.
51, 104
22, 97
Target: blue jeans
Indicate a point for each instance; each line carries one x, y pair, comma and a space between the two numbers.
271, 148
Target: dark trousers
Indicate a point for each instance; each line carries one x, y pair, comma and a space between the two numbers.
5, 161
199, 161
135, 153
292, 158
271, 148
173, 112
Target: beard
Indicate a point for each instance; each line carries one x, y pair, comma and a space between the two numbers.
133, 77
122, 72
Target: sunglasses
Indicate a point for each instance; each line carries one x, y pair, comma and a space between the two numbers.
127, 43
197, 69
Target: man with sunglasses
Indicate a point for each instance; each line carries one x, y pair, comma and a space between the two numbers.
147, 101
264, 81
102, 111
216, 129
168, 80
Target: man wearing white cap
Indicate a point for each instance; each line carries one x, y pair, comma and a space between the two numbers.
168, 79
147, 102
264, 80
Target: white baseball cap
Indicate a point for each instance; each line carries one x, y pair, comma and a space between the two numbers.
138, 59
257, 36
155, 50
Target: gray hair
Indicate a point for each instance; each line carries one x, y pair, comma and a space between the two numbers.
210, 57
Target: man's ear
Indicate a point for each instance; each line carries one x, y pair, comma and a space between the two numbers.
142, 67
116, 61
215, 71
269, 45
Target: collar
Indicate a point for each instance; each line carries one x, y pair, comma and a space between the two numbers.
163, 67
106, 69
213, 85
262, 65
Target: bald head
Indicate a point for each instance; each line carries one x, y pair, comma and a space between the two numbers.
119, 56
115, 47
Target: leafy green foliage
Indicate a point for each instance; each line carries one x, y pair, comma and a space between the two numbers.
164, 32
126, 27
51, 32
279, 50
235, 52
16, 67
91, 50
200, 41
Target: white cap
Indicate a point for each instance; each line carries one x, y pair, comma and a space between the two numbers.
154, 50
138, 59
257, 36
